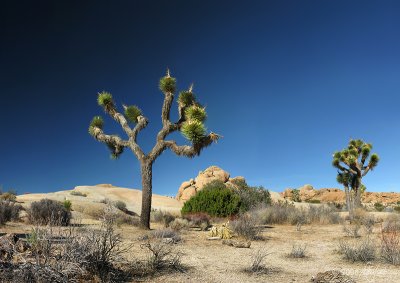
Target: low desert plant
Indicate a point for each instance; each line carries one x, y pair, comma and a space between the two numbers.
245, 226
379, 206
179, 224
397, 208
78, 193
9, 196
296, 195
298, 251
162, 256
164, 217
9, 211
313, 201
390, 245
199, 219
363, 250
166, 233
48, 211
120, 205
352, 230
257, 262
67, 204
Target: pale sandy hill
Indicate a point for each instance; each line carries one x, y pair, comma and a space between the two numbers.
96, 194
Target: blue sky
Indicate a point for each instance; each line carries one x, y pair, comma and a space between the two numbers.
286, 83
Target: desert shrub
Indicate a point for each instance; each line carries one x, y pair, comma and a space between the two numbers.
379, 206
179, 224
257, 262
397, 208
214, 199
352, 230
123, 218
159, 216
296, 195
314, 201
9, 196
9, 211
390, 245
199, 219
358, 250
106, 201
368, 223
161, 257
78, 193
251, 197
120, 205
48, 211
67, 204
166, 233
245, 226
298, 251
323, 215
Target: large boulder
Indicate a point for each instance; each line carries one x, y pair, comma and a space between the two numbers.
212, 173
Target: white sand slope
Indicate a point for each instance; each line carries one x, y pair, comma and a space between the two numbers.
95, 194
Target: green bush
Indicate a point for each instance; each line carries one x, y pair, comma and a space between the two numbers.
251, 197
379, 207
214, 199
296, 195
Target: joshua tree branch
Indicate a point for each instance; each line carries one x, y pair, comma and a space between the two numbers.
120, 119
344, 169
169, 97
99, 135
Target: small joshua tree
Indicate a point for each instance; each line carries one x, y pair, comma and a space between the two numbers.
190, 123
351, 164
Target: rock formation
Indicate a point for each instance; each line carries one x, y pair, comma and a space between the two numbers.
212, 173
325, 195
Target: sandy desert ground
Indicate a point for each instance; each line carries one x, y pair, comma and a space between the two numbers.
211, 261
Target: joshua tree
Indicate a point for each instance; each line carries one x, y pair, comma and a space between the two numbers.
350, 163
190, 123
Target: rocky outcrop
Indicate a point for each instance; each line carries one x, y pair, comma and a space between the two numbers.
325, 195
213, 173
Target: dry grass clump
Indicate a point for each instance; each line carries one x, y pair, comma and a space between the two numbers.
199, 219
390, 244
257, 264
363, 250
245, 226
352, 230
286, 213
159, 216
167, 234
58, 254
180, 224
298, 251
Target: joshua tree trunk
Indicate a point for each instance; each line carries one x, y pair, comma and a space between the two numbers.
146, 171
349, 203
357, 201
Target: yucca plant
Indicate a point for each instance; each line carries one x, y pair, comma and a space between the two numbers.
191, 124
353, 164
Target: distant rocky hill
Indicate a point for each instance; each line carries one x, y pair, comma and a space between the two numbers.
191, 187
325, 195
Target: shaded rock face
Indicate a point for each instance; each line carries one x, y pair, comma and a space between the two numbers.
325, 195
213, 173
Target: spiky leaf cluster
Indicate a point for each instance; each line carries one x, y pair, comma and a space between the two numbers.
105, 99
167, 84
132, 112
186, 98
193, 130
196, 112
115, 150
97, 122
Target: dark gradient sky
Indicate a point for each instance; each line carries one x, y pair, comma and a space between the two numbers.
285, 82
